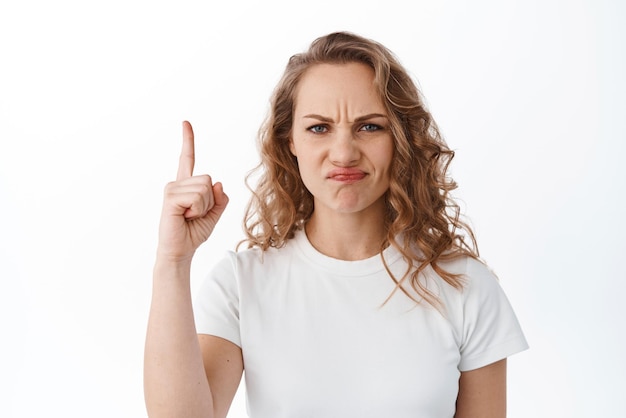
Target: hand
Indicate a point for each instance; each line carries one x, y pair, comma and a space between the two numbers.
192, 205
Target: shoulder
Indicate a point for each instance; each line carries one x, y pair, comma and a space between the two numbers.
481, 291
255, 262
480, 295
476, 276
485, 323
256, 256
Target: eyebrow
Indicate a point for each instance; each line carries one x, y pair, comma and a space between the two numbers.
357, 120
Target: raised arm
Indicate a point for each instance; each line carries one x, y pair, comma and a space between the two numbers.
175, 381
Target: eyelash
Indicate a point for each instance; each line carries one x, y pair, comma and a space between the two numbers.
373, 125
313, 129
372, 128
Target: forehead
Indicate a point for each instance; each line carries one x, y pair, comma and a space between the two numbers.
326, 86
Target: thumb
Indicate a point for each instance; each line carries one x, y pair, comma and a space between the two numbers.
220, 199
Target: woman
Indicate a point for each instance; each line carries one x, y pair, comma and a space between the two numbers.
361, 293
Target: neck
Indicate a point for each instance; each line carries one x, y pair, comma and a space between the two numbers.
346, 237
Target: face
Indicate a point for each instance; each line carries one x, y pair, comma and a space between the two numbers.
342, 140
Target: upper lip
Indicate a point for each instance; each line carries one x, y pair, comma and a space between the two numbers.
337, 172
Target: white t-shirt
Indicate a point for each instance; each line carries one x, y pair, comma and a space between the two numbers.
317, 340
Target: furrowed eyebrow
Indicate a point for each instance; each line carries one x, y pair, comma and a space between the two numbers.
318, 117
357, 120
370, 116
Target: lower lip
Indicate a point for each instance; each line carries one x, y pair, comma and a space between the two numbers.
348, 178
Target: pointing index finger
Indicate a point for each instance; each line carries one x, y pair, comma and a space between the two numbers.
187, 155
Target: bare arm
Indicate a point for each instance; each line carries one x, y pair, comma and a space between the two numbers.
223, 365
175, 382
482, 392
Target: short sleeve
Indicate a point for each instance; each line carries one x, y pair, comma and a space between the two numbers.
216, 304
491, 331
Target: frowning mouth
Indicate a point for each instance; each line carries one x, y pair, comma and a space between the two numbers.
346, 175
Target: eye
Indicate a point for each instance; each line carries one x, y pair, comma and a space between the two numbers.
318, 129
370, 127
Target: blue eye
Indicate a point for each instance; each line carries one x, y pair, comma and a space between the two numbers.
370, 127
318, 129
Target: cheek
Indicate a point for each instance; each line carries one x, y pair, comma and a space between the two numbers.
384, 157
305, 166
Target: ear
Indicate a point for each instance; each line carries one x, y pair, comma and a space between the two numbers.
292, 147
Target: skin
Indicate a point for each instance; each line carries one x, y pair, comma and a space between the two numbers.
344, 149
185, 374
482, 392
340, 126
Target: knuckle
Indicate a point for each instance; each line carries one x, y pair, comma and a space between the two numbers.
206, 188
206, 179
169, 186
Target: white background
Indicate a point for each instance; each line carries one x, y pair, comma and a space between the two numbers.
530, 94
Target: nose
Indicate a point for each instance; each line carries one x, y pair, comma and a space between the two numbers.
344, 150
